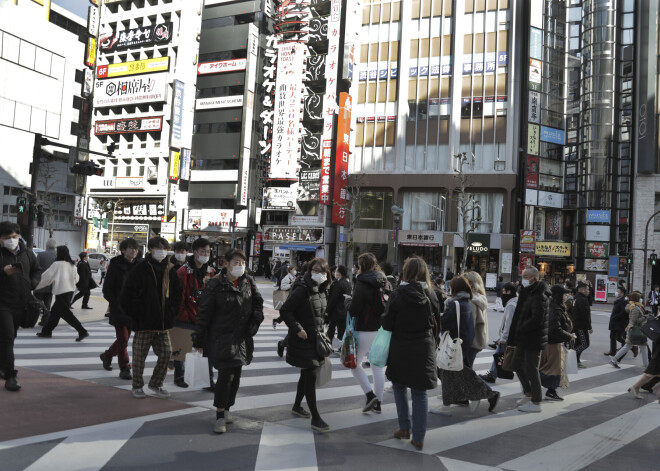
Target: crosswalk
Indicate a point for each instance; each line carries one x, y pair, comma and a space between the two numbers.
597, 423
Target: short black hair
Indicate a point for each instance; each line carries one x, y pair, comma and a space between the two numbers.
200, 243
387, 267
128, 243
158, 241
510, 287
7, 228
342, 271
622, 289
233, 253
82, 255
180, 246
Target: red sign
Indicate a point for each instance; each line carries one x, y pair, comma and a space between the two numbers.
526, 261
326, 161
532, 172
527, 241
341, 159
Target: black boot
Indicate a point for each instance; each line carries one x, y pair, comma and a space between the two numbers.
12, 384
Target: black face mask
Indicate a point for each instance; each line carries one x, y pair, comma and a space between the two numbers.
507, 297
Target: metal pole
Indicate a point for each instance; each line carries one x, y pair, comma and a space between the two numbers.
34, 183
396, 244
646, 248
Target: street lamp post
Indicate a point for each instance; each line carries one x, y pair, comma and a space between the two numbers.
397, 211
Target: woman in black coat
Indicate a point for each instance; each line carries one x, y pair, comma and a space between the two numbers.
303, 314
412, 316
336, 310
230, 312
85, 282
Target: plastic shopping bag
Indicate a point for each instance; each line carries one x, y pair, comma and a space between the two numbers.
324, 374
380, 348
349, 344
197, 371
571, 362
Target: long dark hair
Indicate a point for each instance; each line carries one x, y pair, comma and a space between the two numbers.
63, 254
324, 266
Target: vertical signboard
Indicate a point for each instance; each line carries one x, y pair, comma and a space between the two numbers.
532, 179
341, 159
326, 161
331, 70
177, 114
184, 164
647, 63
174, 166
248, 110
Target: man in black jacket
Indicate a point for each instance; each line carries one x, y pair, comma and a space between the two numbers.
85, 281
336, 311
151, 298
618, 321
582, 320
118, 271
19, 274
529, 334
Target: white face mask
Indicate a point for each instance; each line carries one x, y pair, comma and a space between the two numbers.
237, 271
10, 244
203, 259
525, 283
180, 257
319, 278
159, 254
294, 272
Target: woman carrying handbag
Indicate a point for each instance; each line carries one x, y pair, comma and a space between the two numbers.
636, 318
459, 387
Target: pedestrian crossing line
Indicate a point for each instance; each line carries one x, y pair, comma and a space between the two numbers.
584, 448
36, 362
285, 448
464, 433
55, 350
458, 465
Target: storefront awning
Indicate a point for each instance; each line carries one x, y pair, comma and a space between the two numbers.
299, 247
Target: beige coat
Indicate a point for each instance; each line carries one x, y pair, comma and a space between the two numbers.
479, 304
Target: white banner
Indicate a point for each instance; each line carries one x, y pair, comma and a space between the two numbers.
93, 20
280, 198
219, 102
88, 84
597, 233
217, 67
288, 111
79, 207
131, 90
331, 70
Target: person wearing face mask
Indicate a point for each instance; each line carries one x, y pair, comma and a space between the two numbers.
303, 313
654, 299
509, 301
618, 321
230, 313
180, 254
529, 334
336, 310
19, 274
194, 274
152, 298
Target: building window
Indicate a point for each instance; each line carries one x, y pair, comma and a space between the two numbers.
490, 208
424, 211
373, 210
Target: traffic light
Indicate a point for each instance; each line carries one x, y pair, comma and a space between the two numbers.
629, 259
86, 168
21, 205
653, 258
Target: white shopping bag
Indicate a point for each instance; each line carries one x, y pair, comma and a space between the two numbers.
324, 373
197, 371
571, 362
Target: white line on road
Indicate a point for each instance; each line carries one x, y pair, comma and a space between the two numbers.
284, 448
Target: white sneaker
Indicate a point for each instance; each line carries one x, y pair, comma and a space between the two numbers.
220, 426
530, 407
139, 393
229, 419
474, 405
160, 392
523, 400
441, 410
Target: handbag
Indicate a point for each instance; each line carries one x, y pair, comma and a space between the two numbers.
501, 372
324, 373
652, 329
196, 371
380, 348
349, 345
450, 354
33, 309
507, 359
323, 345
636, 335
571, 362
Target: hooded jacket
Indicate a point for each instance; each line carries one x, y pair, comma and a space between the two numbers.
15, 289
229, 315
364, 305
336, 309
619, 316
150, 303
303, 310
192, 282
410, 317
448, 320
479, 304
118, 270
529, 327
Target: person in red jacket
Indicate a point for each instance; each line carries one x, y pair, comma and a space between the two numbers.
194, 274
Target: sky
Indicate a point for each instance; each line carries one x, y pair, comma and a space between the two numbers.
79, 7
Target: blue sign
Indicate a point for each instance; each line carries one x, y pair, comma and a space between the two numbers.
599, 215
613, 268
363, 75
555, 136
502, 58
177, 114
535, 43
412, 72
393, 71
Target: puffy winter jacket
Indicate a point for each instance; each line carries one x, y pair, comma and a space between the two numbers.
113, 284
229, 315
303, 310
367, 303
192, 282
619, 316
581, 313
448, 320
559, 324
529, 327
336, 309
479, 304
15, 289
410, 317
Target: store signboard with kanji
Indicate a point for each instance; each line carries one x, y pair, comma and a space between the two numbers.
340, 194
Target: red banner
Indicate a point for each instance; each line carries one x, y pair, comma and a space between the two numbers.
532, 172
341, 159
326, 162
527, 241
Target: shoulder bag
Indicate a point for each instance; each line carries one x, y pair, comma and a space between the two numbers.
651, 329
450, 355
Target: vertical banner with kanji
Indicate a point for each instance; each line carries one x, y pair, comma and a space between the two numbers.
331, 73
326, 162
341, 159
177, 114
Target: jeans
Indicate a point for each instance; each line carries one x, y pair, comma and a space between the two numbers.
119, 347
8, 327
493, 367
420, 408
627, 347
526, 365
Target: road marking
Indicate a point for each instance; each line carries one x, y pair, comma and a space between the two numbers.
458, 465
465, 433
54, 350
582, 449
284, 448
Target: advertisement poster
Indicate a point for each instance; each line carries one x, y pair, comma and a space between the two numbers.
282, 198
595, 264
131, 91
158, 64
124, 126
601, 287
525, 262
532, 172
527, 241
533, 139
597, 250
507, 263
554, 249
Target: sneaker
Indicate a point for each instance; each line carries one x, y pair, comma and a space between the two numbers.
492, 345
441, 410
366, 364
631, 390
280, 348
613, 362
229, 419
551, 395
107, 362
274, 324
492, 401
488, 377
139, 393
523, 400
44, 335
82, 336
371, 402
530, 407
582, 366
647, 387
402, 434
377, 408
609, 354
319, 425
220, 425
474, 405
125, 373
12, 384
160, 392
180, 383
300, 412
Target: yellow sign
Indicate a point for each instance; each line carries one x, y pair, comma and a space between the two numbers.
91, 52
555, 249
92, 237
174, 165
158, 64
